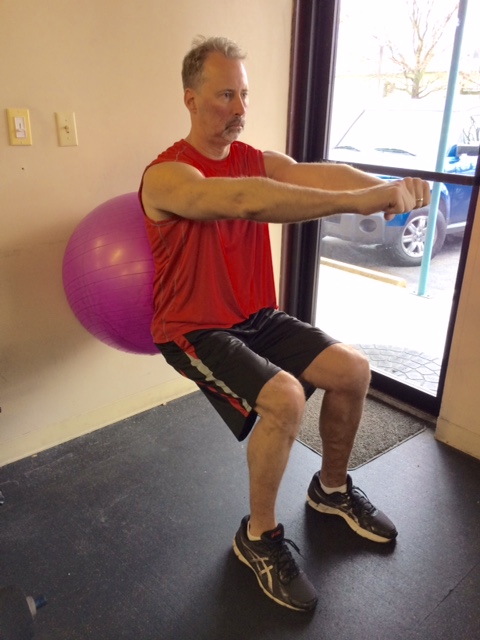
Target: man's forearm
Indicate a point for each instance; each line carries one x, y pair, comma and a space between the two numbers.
267, 200
334, 177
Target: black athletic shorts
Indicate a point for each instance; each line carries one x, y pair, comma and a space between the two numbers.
232, 365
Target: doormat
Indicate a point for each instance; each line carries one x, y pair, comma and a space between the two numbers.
382, 428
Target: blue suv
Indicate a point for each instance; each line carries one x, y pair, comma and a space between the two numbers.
407, 136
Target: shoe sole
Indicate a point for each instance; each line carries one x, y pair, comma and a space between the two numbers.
242, 558
323, 508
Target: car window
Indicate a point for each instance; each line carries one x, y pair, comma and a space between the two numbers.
403, 137
470, 133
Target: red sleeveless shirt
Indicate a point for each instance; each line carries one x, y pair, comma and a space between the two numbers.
210, 274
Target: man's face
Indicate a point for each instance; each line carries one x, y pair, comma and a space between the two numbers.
219, 104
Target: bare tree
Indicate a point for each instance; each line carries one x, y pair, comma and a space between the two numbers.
470, 82
428, 29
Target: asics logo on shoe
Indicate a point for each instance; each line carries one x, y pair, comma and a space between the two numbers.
263, 569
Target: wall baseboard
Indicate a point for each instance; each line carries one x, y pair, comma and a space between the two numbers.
31, 443
458, 437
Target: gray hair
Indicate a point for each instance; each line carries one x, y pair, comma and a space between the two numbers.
193, 63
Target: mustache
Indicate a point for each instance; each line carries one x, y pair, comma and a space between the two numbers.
236, 122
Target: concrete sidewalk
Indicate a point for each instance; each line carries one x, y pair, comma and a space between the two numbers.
402, 333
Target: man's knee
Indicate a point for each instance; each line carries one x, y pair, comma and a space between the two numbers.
281, 402
340, 367
357, 368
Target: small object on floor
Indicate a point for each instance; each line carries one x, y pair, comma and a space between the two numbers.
17, 612
2, 499
277, 572
355, 508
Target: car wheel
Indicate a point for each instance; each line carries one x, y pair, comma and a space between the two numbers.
409, 246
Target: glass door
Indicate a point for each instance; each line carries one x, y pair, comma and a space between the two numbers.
405, 101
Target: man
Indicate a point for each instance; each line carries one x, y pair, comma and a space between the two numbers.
208, 200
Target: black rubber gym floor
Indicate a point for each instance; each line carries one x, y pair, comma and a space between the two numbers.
127, 531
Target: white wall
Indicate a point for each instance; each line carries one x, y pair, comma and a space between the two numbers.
458, 423
116, 64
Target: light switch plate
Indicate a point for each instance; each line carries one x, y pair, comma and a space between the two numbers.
19, 130
66, 128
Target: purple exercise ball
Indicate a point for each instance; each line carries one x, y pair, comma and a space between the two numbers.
108, 275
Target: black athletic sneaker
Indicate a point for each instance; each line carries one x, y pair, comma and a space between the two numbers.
355, 508
276, 570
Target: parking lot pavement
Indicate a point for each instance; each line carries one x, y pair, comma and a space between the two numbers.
402, 333
442, 272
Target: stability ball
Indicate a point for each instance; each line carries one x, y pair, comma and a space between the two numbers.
108, 275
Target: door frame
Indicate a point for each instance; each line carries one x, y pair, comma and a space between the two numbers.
313, 56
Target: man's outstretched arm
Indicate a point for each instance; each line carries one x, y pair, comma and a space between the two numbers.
291, 193
331, 176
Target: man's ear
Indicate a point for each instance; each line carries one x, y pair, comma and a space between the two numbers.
189, 98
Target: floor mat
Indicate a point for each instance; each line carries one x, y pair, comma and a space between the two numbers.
382, 428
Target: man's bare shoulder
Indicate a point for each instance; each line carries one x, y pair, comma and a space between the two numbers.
166, 170
160, 183
276, 164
